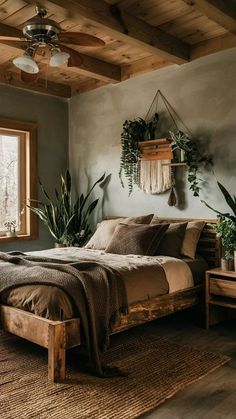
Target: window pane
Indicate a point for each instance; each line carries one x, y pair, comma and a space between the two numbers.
9, 179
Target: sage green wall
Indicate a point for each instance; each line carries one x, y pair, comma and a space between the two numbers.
204, 94
51, 115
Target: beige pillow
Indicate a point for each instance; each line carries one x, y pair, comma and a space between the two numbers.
136, 239
192, 235
106, 228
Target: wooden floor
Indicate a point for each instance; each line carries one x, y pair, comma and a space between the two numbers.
213, 397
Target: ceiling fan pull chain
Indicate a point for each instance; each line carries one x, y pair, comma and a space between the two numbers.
46, 77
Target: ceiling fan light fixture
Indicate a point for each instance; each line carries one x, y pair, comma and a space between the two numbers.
58, 58
26, 63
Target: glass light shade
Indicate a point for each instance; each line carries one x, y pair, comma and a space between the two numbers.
58, 58
26, 63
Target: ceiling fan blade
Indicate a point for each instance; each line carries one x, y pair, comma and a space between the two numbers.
9, 31
28, 78
20, 44
75, 59
10, 38
82, 39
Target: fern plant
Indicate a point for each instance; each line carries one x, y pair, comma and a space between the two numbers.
67, 221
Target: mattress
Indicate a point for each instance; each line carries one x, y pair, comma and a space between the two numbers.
142, 276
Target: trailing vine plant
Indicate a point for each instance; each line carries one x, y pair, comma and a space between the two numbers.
134, 131
193, 158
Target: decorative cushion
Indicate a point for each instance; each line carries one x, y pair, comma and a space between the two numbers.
172, 240
191, 238
136, 239
106, 228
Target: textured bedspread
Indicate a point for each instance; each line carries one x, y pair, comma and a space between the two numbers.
97, 290
144, 278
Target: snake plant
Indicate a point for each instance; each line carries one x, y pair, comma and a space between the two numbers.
68, 221
231, 202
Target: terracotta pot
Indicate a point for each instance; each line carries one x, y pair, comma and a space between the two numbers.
227, 264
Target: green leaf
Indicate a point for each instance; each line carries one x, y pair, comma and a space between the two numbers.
44, 191
68, 181
227, 197
227, 215
101, 179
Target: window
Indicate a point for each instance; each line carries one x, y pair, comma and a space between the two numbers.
18, 178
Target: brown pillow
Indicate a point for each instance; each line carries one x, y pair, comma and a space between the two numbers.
172, 240
191, 238
106, 228
136, 239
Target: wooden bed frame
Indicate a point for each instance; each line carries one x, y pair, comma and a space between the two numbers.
58, 336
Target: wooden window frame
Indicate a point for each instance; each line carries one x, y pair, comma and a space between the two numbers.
27, 131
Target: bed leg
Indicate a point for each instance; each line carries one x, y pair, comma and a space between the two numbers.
56, 352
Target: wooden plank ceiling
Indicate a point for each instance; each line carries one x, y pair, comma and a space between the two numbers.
139, 36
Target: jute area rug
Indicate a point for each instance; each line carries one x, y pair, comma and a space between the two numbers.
157, 367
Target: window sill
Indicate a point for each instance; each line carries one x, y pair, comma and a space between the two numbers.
6, 239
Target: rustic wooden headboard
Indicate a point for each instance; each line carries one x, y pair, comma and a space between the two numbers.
209, 243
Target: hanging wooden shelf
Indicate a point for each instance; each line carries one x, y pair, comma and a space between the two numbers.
175, 164
155, 149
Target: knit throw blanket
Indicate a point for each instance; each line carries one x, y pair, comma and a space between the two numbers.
97, 291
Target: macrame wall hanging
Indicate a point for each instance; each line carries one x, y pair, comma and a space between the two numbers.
157, 174
154, 147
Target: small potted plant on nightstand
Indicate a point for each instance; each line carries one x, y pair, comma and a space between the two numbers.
11, 228
226, 230
226, 227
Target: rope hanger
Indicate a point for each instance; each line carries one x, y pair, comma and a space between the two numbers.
176, 122
171, 111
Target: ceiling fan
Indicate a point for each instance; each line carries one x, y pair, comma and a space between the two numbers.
40, 33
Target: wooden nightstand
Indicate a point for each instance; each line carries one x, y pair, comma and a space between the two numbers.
220, 294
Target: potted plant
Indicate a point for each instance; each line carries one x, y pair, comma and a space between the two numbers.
11, 228
226, 230
67, 220
186, 150
226, 225
151, 126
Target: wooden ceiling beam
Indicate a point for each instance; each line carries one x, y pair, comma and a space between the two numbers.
213, 45
87, 86
97, 69
142, 66
121, 26
90, 66
219, 11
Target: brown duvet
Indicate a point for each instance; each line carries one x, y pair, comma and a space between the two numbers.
144, 277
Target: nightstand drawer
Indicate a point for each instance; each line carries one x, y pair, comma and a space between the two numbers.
223, 287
